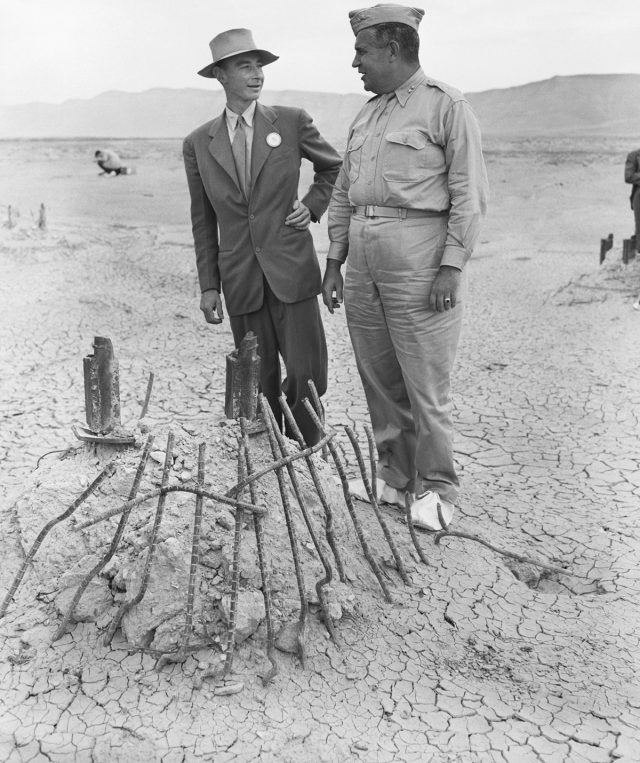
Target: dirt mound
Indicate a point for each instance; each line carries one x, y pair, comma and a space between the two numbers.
612, 279
157, 621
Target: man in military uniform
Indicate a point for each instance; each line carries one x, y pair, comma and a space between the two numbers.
405, 215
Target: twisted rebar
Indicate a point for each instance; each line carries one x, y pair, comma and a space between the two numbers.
328, 574
147, 397
372, 459
350, 507
153, 543
412, 530
182, 652
317, 482
214, 496
195, 550
226, 498
235, 574
277, 464
262, 562
319, 409
86, 580
443, 523
267, 416
374, 504
108, 470
518, 557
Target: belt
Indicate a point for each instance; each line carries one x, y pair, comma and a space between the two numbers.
371, 210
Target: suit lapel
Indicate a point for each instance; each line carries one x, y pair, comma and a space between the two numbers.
220, 148
264, 123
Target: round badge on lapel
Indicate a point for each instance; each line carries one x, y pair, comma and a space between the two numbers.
274, 139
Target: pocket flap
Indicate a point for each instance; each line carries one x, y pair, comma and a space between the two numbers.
412, 139
355, 143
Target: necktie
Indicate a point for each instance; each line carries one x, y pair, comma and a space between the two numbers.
239, 150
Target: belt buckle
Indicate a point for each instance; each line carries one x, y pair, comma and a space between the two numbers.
369, 210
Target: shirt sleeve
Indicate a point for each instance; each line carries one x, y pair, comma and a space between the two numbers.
467, 183
340, 216
326, 163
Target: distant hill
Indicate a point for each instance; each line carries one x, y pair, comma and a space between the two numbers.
607, 104
160, 113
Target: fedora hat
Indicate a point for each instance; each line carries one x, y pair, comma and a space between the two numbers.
232, 43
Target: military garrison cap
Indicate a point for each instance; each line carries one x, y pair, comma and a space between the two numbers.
385, 13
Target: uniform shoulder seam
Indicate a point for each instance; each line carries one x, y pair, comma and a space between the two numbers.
451, 92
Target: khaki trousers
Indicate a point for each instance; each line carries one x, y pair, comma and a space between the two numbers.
404, 351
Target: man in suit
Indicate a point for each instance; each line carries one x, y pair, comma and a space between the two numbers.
251, 231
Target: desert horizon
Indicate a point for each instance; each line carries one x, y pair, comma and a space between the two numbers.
327, 91
575, 105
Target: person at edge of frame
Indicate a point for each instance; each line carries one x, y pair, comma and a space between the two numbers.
251, 232
632, 176
405, 215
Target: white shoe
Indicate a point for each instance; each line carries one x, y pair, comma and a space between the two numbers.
392, 495
424, 511
385, 493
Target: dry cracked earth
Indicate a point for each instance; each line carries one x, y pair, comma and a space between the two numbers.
479, 658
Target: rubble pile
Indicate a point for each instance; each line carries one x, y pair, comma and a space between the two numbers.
157, 622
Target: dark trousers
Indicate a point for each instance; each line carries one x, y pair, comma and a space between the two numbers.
108, 170
295, 332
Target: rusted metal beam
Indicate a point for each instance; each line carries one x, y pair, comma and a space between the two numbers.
606, 244
243, 380
102, 387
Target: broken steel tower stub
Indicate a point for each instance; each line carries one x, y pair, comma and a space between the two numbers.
243, 380
102, 387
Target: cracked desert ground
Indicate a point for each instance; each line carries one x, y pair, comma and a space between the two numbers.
471, 662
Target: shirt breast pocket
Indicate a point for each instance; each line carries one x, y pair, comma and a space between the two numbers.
410, 155
354, 156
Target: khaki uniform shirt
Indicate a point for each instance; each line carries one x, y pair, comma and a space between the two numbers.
417, 148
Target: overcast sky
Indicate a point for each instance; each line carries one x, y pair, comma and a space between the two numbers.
53, 50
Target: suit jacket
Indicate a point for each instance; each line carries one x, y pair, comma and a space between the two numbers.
240, 242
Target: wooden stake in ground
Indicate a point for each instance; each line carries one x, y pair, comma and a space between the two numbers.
10, 222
